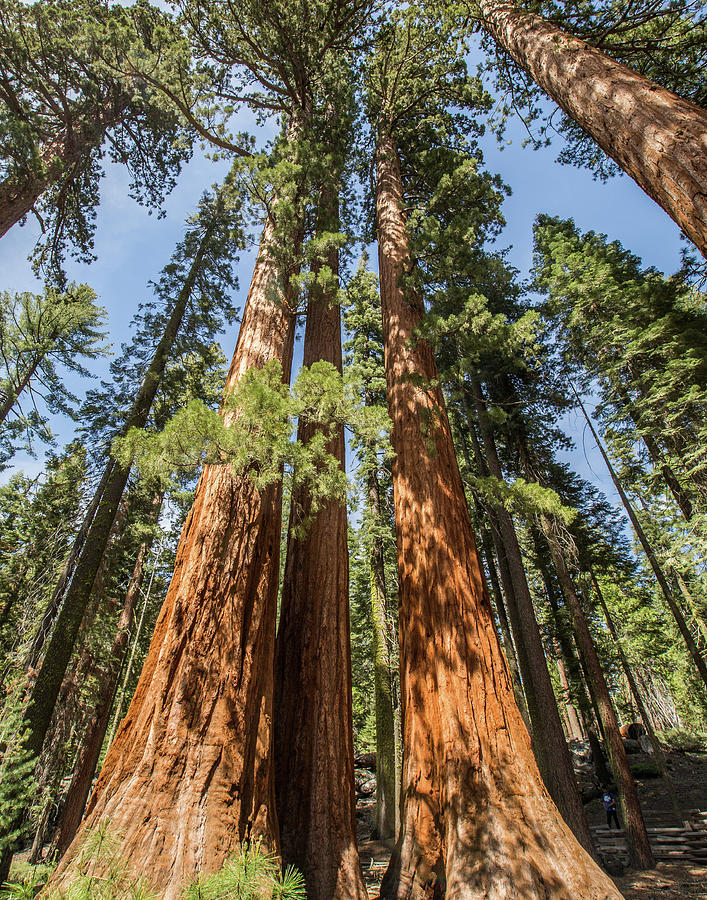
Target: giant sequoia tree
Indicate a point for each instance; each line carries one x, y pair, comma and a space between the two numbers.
196, 729
314, 784
208, 247
476, 817
655, 136
234, 571
68, 102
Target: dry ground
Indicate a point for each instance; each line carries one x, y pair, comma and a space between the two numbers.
669, 881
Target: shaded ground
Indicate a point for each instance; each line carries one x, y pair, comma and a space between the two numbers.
669, 881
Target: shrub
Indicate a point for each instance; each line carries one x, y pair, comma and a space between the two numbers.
682, 740
252, 874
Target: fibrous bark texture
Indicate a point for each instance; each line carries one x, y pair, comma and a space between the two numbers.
477, 821
60, 646
575, 731
314, 777
657, 138
188, 776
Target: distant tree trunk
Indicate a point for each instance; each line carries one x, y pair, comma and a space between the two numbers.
134, 643
95, 731
40, 833
577, 677
506, 635
656, 137
383, 635
695, 612
681, 496
313, 724
640, 852
52, 608
574, 724
61, 160
549, 742
477, 820
656, 747
490, 540
188, 776
697, 658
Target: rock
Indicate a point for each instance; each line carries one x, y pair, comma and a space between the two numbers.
365, 761
631, 746
367, 788
361, 777
581, 752
645, 743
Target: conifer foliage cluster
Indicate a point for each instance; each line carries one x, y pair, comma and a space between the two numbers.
236, 576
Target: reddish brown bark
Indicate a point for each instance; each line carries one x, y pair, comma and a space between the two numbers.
657, 138
639, 849
314, 777
505, 626
490, 541
477, 820
61, 159
188, 776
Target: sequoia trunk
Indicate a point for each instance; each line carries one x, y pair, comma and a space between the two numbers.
63, 638
477, 820
188, 776
656, 137
52, 607
313, 725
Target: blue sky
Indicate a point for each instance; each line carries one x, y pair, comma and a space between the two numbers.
133, 246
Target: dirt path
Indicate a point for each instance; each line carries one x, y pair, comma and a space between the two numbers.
669, 881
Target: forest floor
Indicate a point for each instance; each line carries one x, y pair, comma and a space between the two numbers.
668, 881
